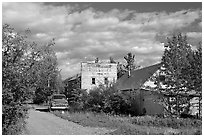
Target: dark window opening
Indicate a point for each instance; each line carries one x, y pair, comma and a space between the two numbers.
93, 81
106, 81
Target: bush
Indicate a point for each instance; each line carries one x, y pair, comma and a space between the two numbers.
77, 100
13, 118
101, 99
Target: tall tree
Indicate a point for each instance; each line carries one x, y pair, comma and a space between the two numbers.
180, 71
128, 67
17, 61
47, 75
130, 59
194, 73
112, 60
25, 67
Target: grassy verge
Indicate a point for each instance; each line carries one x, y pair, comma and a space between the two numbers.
124, 125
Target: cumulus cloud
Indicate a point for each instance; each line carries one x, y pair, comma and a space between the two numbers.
194, 34
164, 22
90, 33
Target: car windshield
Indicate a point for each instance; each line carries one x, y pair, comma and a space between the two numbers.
59, 97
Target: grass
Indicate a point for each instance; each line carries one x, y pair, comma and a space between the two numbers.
125, 125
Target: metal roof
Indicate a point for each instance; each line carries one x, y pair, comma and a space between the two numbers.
137, 77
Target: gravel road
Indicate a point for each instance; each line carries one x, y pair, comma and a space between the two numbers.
44, 123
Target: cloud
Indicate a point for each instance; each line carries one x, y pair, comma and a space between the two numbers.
163, 21
197, 35
200, 24
86, 34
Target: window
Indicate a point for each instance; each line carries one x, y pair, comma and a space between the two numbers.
93, 81
106, 81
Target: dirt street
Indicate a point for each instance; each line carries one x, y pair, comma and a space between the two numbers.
44, 123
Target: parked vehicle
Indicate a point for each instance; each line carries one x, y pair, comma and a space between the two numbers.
58, 102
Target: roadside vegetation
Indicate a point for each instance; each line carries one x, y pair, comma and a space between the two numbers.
142, 125
180, 73
27, 71
105, 107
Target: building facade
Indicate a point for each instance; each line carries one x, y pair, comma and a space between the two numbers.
95, 74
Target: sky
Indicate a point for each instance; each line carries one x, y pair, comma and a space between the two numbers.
84, 31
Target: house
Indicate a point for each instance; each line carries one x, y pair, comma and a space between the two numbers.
145, 101
73, 82
94, 74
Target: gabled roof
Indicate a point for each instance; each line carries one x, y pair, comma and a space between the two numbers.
137, 78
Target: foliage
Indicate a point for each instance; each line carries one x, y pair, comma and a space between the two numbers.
25, 67
130, 59
193, 75
16, 78
167, 122
76, 96
47, 76
101, 99
182, 68
112, 60
96, 60
129, 66
95, 100
120, 70
77, 100
123, 125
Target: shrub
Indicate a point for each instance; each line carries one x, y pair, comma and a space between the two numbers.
13, 80
95, 100
77, 100
103, 99
13, 118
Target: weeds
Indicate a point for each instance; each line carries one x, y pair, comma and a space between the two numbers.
125, 125
167, 122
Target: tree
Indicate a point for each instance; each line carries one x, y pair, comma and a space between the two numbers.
128, 67
26, 66
120, 70
112, 60
182, 75
47, 76
17, 62
194, 74
130, 59
59, 83
96, 60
